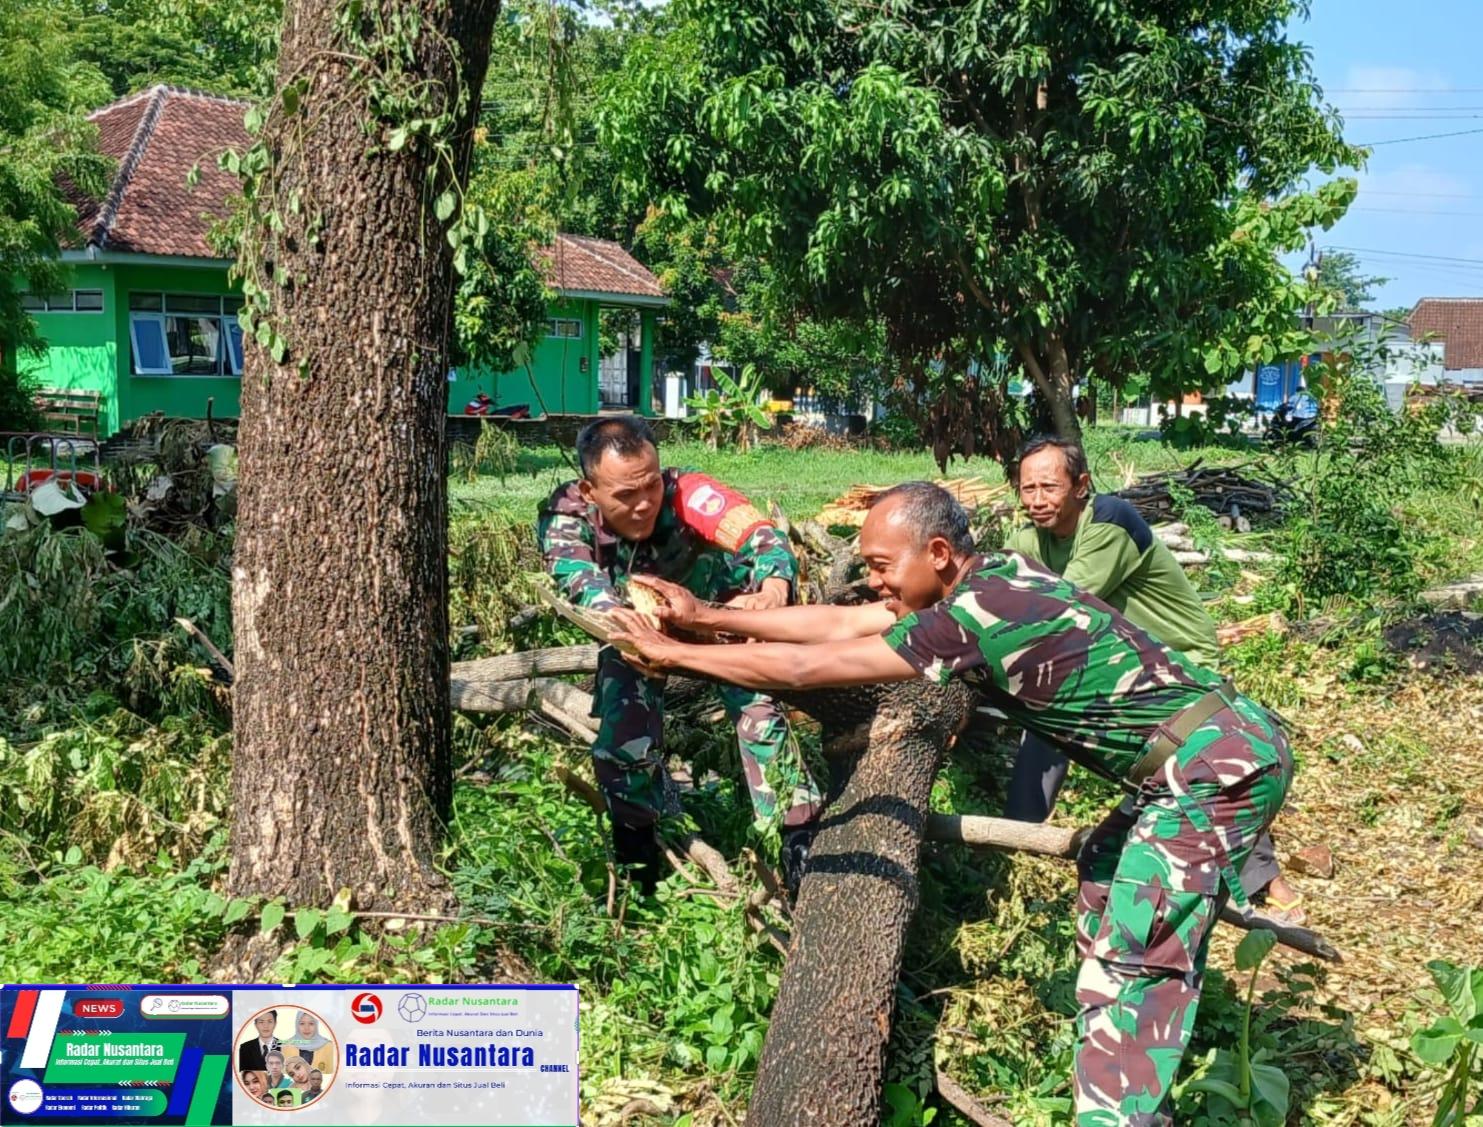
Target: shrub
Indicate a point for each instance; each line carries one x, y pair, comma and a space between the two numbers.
1348, 535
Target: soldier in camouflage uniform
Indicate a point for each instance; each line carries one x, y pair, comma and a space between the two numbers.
626, 516
1205, 769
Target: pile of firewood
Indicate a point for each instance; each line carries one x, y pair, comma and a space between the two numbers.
1221, 489
973, 493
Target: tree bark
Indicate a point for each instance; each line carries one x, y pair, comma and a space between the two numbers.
824, 1058
1051, 376
341, 776
1062, 385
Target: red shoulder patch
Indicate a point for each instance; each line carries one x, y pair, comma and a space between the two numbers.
722, 515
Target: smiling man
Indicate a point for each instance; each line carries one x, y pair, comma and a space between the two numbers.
1205, 769
627, 516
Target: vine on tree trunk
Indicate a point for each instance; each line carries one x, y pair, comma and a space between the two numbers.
375, 55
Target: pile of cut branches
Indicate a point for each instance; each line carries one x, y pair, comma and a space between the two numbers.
974, 493
1232, 490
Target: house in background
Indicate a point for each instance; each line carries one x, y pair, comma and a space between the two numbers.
567, 374
151, 321
1456, 325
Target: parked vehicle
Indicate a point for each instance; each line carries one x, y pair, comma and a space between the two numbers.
1295, 421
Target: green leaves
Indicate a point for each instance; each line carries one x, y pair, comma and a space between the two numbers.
1255, 946
1454, 1040
1462, 987
305, 921
236, 910
271, 916
1109, 192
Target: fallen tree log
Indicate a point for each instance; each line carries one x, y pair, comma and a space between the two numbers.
978, 832
529, 663
480, 695
1234, 632
1235, 555
823, 1061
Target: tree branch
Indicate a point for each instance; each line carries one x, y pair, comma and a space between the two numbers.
979, 832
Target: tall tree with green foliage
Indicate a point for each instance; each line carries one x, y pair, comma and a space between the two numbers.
46, 144
1087, 187
1341, 273
202, 44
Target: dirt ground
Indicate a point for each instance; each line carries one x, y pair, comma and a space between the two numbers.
1391, 781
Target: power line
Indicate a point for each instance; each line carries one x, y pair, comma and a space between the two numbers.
1423, 137
1362, 116
1420, 195
1419, 211
1404, 90
1407, 254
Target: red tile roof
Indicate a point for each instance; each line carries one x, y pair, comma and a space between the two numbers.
578, 264
1456, 321
159, 135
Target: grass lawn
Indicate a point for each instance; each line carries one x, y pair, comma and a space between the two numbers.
802, 481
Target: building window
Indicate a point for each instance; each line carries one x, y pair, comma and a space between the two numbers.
74, 301
564, 328
185, 334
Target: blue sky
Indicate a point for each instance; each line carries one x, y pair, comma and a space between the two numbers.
1407, 70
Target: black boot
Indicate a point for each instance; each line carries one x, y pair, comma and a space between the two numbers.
793, 856
638, 848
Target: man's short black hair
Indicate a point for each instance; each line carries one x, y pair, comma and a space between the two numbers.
1071, 453
625, 435
930, 510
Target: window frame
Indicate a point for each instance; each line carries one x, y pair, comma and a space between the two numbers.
51, 303
553, 324
229, 361
231, 335
136, 318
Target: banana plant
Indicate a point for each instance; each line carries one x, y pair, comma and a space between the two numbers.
1238, 1085
729, 412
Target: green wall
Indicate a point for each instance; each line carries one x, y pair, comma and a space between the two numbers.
560, 385
81, 354
177, 396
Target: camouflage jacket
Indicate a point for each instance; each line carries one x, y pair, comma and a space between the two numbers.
707, 538
1054, 659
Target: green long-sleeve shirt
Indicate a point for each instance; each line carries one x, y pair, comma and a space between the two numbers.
1114, 554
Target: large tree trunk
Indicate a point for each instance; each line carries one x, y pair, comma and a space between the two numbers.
341, 773
824, 1058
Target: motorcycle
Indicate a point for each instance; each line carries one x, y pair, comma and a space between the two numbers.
1294, 423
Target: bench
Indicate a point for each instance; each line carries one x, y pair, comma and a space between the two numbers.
72, 412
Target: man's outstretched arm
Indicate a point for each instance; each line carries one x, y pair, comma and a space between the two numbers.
808, 624
772, 665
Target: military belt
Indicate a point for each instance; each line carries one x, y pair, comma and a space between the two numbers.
1169, 737
1167, 740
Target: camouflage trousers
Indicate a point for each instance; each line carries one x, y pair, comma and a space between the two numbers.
1152, 887
628, 753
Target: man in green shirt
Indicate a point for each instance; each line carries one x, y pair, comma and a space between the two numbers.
1104, 546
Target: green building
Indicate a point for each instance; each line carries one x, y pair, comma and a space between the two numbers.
151, 321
